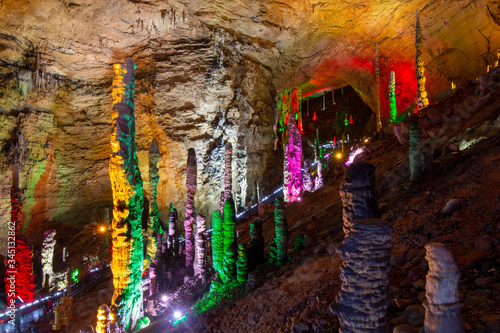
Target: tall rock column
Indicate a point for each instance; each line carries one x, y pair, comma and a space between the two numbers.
357, 192
200, 264
281, 232
377, 77
191, 182
173, 232
126, 183
230, 247
228, 175
217, 241
308, 183
292, 163
47, 254
362, 302
442, 310
154, 218
392, 98
415, 154
419, 64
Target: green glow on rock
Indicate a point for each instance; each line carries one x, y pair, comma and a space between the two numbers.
392, 98
228, 272
143, 322
74, 275
217, 241
242, 264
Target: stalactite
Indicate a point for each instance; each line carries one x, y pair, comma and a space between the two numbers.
217, 241
308, 182
419, 64
377, 75
415, 154
256, 243
126, 183
200, 265
242, 264
392, 98
357, 192
191, 175
442, 307
154, 218
281, 232
230, 250
292, 164
363, 300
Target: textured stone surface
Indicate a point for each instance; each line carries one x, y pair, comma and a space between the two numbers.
190, 216
363, 300
200, 263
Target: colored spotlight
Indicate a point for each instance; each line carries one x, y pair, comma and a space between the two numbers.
177, 314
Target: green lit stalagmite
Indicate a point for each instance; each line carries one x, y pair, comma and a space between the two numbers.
126, 183
281, 232
242, 264
217, 241
230, 250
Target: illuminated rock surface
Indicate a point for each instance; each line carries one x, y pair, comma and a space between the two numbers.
190, 216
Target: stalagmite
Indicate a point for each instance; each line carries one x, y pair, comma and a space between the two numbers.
377, 75
173, 232
308, 182
154, 218
191, 175
357, 192
242, 264
102, 325
47, 257
419, 64
230, 249
126, 184
392, 98
256, 242
292, 163
442, 307
228, 175
281, 232
217, 241
363, 300
319, 175
200, 264
415, 154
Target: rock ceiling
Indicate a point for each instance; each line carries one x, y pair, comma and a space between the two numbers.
208, 71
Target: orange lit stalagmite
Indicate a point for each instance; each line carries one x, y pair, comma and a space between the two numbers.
126, 183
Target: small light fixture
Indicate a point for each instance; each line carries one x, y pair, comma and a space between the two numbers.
103, 229
164, 298
177, 314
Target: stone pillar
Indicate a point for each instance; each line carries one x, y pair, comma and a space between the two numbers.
173, 232
103, 323
191, 182
126, 184
281, 232
357, 192
415, 154
392, 98
154, 218
200, 265
363, 299
256, 243
47, 257
419, 64
242, 264
442, 310
292, 173
308, 183
217, 241
377, 75
230, 249
228, 175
